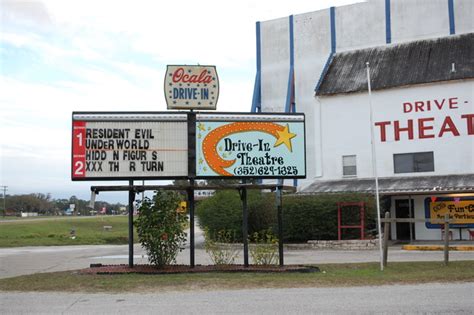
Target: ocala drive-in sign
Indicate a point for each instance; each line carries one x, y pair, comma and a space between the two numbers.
191, 87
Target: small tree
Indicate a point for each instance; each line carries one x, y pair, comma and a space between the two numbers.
160, 227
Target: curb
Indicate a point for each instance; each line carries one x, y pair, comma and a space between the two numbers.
463, 248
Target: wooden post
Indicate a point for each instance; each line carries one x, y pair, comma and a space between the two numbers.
446, 239
386, 233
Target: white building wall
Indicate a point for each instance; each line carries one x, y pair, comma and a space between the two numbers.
275, 50
357, 26
420, 19
312, 49
339, 125
346, 129
463, 16
360, 25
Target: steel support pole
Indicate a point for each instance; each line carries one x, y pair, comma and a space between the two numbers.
191, 223
131, 199
245, 219
280, 225
191, 176
374, 167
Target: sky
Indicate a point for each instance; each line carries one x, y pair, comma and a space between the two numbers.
61, 56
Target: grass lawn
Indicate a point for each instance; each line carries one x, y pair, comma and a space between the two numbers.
56, 231
331, 275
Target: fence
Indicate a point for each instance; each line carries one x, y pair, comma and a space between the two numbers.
387, 220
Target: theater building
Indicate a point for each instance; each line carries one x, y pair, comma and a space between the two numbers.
420, 59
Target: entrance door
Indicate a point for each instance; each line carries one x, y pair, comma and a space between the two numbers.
402, 211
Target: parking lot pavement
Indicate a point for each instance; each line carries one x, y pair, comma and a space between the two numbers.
28, 260
431, 298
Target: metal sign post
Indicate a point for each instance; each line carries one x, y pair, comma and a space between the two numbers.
280, 221
131, 199
243, 197
191, 222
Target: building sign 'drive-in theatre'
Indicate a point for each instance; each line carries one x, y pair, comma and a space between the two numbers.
253, 145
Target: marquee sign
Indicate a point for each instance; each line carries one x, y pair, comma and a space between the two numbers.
108, 146
460, 209
191, 87
250, 145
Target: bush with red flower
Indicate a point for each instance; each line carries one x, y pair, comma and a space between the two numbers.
160, 227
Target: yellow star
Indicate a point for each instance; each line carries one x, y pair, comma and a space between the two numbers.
201, 127
285, 137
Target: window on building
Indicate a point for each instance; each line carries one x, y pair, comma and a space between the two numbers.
413, 162
349, 165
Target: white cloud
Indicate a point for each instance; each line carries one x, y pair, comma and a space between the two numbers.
111, 56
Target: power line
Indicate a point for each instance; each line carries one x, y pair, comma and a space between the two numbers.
4, 198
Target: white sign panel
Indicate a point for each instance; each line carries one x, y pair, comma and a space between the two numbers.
128, 146
191, 87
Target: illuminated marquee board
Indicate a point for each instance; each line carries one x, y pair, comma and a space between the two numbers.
250, 145
460, 209
129, 146
191, 87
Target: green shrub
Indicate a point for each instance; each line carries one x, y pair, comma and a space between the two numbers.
223, 211
305, 217
160, 227
264, 248
315, 217
220, 247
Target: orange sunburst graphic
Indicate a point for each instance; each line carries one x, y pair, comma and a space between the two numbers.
209, 144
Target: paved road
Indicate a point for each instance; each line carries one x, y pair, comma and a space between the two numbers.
29, 260
457, 298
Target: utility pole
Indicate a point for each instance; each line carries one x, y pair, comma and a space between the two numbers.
4, 198
374, 166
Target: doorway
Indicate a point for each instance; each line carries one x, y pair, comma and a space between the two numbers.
402, 210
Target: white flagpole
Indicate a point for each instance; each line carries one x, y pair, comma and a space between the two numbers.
374, 167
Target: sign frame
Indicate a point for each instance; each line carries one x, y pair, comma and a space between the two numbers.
254, 117
128, 116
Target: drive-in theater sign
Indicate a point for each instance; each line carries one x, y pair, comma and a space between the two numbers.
140, 145
253, 145
189, 145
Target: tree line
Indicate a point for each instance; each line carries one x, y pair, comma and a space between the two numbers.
44, 204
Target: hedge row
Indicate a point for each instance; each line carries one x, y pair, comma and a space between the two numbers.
304, 217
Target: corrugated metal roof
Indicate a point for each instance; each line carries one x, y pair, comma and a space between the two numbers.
417, 62
396, 185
